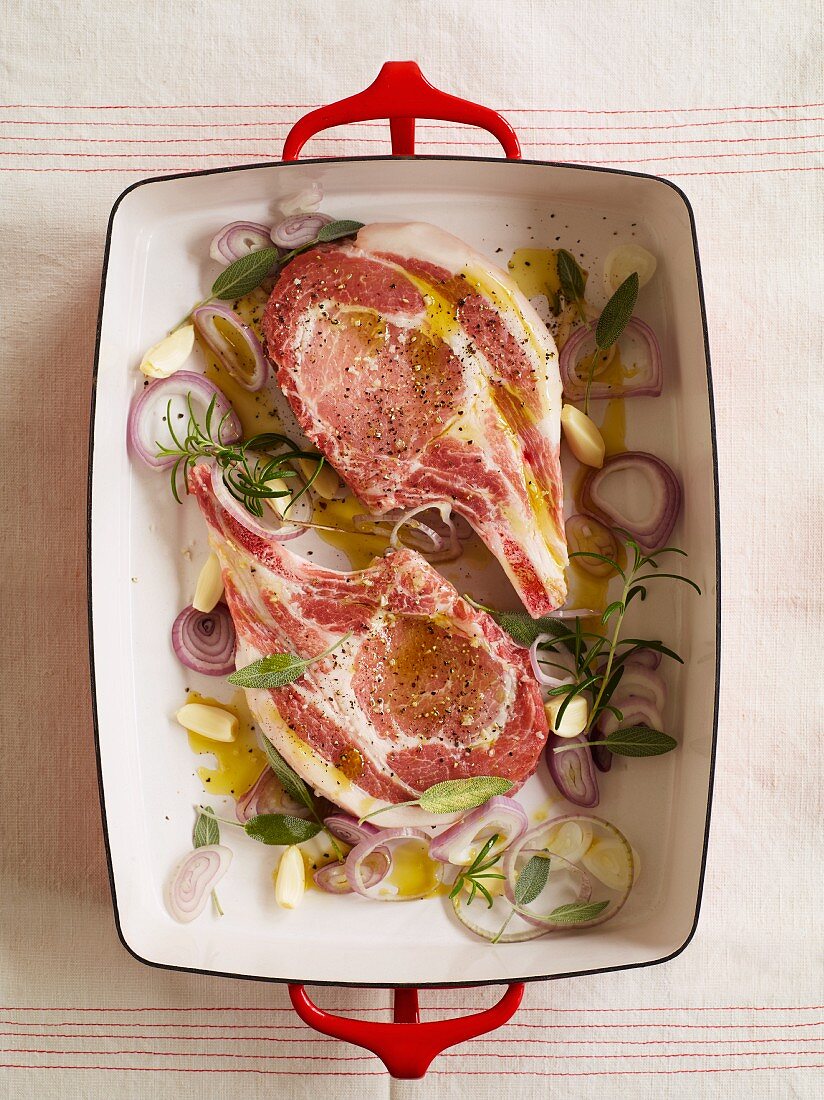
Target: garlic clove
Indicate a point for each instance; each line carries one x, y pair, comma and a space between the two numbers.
583, 437
209, 587
326, 484
622, 261
574, 718
215, 723
169, 355
290, 878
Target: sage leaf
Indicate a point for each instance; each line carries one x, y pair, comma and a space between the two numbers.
617, 312
281, 829
524, 629
333, 231
576, 912
454, 795
570, 276
275, 671
639, 741
245, 274
532, 879
291, 782
206, 831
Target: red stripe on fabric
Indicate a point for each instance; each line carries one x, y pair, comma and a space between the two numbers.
269, 122
301, 106
542, 1026
447, 1054
265, 157
431, 1073
434, 1008
259, 138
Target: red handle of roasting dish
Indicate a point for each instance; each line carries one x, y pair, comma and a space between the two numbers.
406, 1046
401, 93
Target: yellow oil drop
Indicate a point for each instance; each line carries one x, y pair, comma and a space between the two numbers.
535, 271
413, 872
238, 762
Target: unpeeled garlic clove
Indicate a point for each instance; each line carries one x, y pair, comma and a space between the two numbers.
215, 723
290, 879
574, 719
209, 587
326, 484
583, 437
169, 355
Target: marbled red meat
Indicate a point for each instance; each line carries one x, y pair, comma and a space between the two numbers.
426, 688
423, 374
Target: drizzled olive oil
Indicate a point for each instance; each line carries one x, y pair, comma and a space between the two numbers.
238, 763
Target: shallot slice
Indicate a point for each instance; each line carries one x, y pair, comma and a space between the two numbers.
195, 878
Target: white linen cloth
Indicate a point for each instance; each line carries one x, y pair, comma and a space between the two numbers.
726, 98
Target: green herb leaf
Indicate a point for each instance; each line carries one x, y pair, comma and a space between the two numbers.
333, 231
524, 629
281, 829
245, 274
532, 879
206, 831
454, 795
639, 741
275, 671
617, 312
291, 782
570, 276
576, 912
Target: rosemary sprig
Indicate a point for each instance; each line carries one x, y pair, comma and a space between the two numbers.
251, 469
477, 871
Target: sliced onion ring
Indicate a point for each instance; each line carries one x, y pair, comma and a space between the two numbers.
639, 680
299, 229
385, 839
238, 239
204, 641
544, 678
461, 912
512, 855
636, 711
241, 353
267, 796
460, 843
196, 876
649, 657
654, 528
572, 771
349, 829
280, 530
334, 878
146, 426
646, 382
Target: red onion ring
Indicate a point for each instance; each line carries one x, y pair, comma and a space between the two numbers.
385, 839
572, 771
146, 425
601, 756
638, 680
333, 877
651, 658
204, 641
530, 933
205, 318
281, 531
196, 876
459, 843
512, 855
648, 382
238, 239
299, 229
636, 711
349, 829
654, 529
267, 796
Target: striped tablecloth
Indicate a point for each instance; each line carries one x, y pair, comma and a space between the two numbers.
710, 95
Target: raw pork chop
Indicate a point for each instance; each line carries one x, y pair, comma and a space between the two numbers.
423, 374
427, 688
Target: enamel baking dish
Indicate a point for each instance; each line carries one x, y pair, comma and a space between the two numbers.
155, 268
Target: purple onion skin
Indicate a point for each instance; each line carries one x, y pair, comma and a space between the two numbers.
582, 788
601, 756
